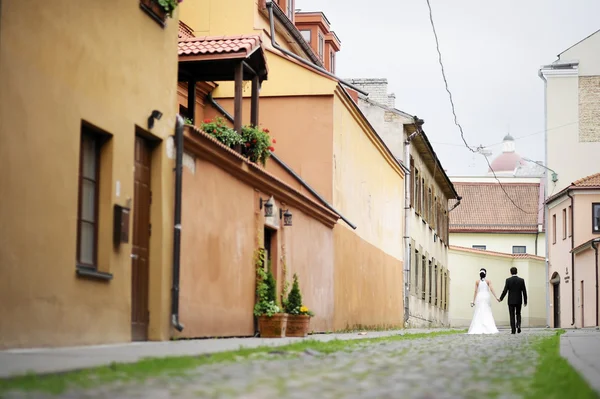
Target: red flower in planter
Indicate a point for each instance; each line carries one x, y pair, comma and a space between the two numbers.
271, 148
254, 141
207, 121
266, 130
274, 141
247, 144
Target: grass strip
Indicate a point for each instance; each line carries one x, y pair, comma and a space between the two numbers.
554, 376
155, 367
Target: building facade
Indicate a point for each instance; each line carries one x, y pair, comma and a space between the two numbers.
87, 200
430, 192
573, 239
326, 141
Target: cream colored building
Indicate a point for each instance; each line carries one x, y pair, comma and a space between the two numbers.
572, 112
574, 238
464, 264
430, 192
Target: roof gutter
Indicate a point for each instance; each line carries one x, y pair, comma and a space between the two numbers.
304, 184
270, 7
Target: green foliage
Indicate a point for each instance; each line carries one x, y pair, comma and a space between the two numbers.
169, 5
265, 288
257, 144
220, 131
294, 301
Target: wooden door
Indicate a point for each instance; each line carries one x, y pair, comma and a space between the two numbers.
582, 300
556, 295
140, 275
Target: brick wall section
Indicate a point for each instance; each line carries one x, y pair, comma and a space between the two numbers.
589, 108
377, 89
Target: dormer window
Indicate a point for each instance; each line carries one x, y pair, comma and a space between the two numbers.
306, 35
332, 61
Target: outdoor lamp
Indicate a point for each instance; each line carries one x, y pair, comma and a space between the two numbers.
268, 207
287, 217
156, 114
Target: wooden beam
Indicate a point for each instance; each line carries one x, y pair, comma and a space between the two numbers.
254, 103
237, 102
192, 101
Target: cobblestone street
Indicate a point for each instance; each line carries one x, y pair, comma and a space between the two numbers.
452, 366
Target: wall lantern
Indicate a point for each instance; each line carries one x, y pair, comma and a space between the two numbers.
156, 114
268, 207
287, 217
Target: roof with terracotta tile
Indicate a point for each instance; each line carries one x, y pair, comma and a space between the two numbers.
485, 207
185, 31
588, 181
243, 45
493, 253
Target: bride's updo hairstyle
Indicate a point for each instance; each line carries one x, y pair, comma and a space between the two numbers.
482, 273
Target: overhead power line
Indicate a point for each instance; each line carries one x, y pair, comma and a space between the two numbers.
479, 149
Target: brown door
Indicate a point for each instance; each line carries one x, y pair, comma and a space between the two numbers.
141, 242
556, 305
582, 312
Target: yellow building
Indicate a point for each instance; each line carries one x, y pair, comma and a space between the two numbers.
87, 106
326, 140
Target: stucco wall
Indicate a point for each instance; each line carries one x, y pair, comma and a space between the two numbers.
465, 266
62, 63
368, 284
585, 289
501, 242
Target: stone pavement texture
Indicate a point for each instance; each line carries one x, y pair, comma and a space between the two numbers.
582, 349
450, 366
16, 362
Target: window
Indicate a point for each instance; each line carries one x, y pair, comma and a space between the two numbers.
554, 229
417, 272
306, 35
570, 222
564, 223
332, 61
435, 287
321, 45
430, 279
290, 9
596, 218
519, 249
87, 212
423, 277
480, 247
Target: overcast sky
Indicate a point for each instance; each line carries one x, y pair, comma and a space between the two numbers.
491, 52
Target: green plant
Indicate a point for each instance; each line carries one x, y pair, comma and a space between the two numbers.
220, 131
257, 144
285, 286
169, 5
294, 301
265, 288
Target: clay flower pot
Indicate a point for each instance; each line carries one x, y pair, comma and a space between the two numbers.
297, 325
274, 326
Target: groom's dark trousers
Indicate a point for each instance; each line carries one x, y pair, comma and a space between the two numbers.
517, 295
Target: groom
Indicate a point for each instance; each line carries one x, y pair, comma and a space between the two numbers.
515, 286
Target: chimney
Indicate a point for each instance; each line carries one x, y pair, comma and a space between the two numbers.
377, 89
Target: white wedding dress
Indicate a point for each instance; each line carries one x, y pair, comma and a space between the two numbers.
483, 320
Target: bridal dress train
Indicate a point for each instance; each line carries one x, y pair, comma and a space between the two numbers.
483, 320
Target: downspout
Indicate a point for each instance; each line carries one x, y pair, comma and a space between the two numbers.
177, 224
546, 210
595, 246
456, 204
407, 215
300, 59
304, 184
572, 258
537, 233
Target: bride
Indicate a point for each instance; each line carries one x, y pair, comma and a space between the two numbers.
483, 320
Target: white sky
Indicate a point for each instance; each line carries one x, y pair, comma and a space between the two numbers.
491, 52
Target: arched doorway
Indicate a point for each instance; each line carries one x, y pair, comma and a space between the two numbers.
555, 281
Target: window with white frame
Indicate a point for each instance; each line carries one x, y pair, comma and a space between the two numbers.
306, 35
321, 45
596, 218
519, 249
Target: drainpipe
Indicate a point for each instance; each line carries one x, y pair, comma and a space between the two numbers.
227, 115
177, 224
300, 59
455, 205
407, 214
546, 210
572, 258
595, 246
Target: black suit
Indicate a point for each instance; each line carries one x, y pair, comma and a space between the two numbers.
517, 295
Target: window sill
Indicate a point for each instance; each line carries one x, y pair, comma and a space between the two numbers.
86, 272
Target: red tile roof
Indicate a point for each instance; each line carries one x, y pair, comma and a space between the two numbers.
185, 31
589, 181
243, 45
493, 253
486, 208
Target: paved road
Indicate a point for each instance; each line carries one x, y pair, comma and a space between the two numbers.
455, 366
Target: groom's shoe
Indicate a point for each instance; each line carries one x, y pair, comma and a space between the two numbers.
519, 330
512, 332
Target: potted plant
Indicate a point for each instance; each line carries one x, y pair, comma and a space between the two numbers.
218, 129
258, 144
298, 315
160, 9
271, 320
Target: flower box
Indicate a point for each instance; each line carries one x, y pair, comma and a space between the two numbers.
155, 10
